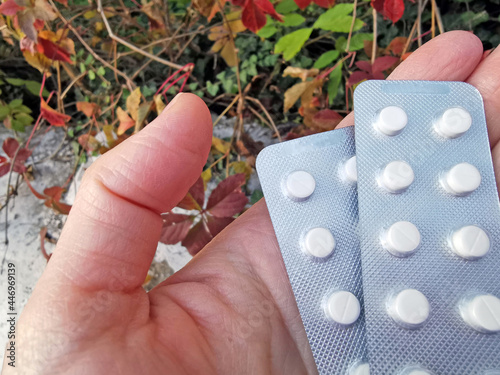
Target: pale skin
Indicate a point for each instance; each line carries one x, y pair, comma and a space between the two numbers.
231, 309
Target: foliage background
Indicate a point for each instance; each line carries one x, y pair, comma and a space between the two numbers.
102, 70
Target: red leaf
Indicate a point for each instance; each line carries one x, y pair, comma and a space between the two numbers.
62, 208
325, 3
52, 116
326, 119
197, 238
53, 51
10, 146
378, 5
2, 159
175, 228
54, 192
252, 17
383, 63
397, 45
195, 198
217, 224
394, 9
267, 7
4, 169
254, 13
64, 2
302, 4
10, 8
225, 188
230, 205
23, 155
357, 77
197, 191
364, 65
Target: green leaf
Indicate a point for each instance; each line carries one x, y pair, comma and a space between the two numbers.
267, 31
337, 19
22, 109
256, 196
91, 75
17, 125
334, 83
193, 86
101, 71
293, 19
15, 81
286, 6
292, 43
16, 103
474, 19
83, 68
341, 43
212, 88
34, 88
326, 59
89, 60
24, 119
357, 42
4, 112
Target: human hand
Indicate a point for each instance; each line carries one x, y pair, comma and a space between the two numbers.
231, 309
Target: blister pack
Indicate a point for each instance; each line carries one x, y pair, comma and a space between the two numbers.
310, 190
429, 229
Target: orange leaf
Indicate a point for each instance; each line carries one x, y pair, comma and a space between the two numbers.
52, 116
125, 121
87, 108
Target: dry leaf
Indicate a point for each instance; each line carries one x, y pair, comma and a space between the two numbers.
301, 73
132, 103
125, 121
159, 104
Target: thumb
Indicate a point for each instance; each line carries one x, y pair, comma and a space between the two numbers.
114, 225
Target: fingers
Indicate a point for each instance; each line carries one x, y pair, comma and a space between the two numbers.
112, 232
486, 78
451, 56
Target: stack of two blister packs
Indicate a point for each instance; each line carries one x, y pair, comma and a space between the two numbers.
390, 233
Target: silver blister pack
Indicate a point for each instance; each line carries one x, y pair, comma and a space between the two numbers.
310, 192
429, 226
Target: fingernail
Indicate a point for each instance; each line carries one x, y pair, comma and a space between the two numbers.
172, 102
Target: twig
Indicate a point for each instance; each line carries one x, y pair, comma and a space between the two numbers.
236, 98
419, 23
272, 124
409, 40
348, 44
129, 45
433, 18
89, 49
13, 161
438, 18
75, 80
374, 45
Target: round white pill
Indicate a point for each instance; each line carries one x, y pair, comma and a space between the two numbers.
391, 120
483, 313
397, 176
462, 179
343, 308
453, 123
351, 170
360, 369
401, 239
470, 242
410, 308
300, 185
319, 242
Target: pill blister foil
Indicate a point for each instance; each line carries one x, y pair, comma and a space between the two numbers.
445, 344
333, 205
